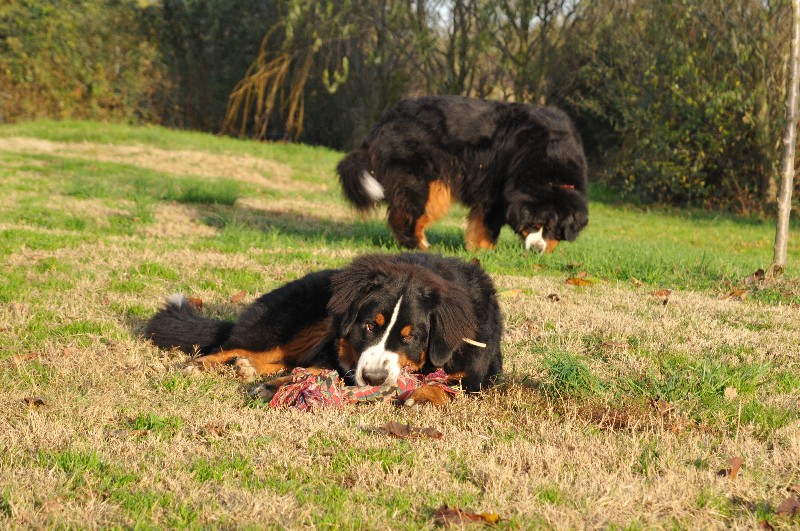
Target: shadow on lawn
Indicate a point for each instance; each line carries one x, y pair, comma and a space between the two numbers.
369, 232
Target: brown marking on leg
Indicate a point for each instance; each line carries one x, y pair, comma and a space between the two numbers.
348, 357
277, 359
477, 236
432, 394
440, 198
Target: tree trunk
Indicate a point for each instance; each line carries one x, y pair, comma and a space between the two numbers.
789, 142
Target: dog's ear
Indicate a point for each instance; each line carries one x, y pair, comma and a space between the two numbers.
451, 320
350, 286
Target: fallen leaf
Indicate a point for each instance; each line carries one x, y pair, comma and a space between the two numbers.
454, 515
32, 401
756, 276
740, 294
197, 302
662, 406
509, 293
636, 282
763, 524
579, 281
553, 297
789, 507
21, 358
213, 429
731, 393
661, 293
735, 464
238, 296
407, 431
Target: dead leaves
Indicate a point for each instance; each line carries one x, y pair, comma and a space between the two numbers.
789, 507
581, 279
734, 464
238, 296
408, 431
33, 401
445, 515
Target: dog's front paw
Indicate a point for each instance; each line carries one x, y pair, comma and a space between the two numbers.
192, 367
244, 370
429, 394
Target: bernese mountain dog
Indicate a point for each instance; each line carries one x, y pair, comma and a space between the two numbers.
369, 321
510, 163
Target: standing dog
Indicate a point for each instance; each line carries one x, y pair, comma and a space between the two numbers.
510, 163
368, 321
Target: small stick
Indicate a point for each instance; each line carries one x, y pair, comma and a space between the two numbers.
473, 342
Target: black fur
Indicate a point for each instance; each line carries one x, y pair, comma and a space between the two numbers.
444, 301
510, 163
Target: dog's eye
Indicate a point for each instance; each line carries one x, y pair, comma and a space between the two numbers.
370, 327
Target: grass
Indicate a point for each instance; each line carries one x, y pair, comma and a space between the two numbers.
618, 408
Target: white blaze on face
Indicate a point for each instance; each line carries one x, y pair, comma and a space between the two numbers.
372, 187
376, 358
535, 240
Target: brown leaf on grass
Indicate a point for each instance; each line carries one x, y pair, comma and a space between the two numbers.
197, 302
661, 293
789, 507
214, 430
407, 431
454, 515
763, 524
753, 278
735, 464
22, 358
553, 297
636, 282
238, 296
33, 401
731, 393
509, 293
740, 294
67, 352
661, 406
579, 281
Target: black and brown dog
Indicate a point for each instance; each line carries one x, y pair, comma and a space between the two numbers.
368, 321
510, 163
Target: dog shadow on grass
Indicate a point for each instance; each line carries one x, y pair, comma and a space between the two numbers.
265, 226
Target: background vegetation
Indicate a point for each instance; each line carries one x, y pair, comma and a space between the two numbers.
678, 101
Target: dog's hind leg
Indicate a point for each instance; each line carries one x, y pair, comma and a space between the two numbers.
409, 218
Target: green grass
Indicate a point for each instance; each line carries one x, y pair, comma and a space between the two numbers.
89, 249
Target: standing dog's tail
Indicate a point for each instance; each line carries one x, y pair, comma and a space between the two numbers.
359, 184
180, 325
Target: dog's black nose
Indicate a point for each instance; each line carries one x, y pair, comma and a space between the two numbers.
375, 376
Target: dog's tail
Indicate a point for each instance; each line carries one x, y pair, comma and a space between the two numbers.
359, 184
180, 325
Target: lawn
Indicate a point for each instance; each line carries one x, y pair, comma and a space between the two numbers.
639, 360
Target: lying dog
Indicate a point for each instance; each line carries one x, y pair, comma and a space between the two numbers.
510, 163
368, 321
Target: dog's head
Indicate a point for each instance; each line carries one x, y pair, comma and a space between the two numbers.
390, 315
546, 215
